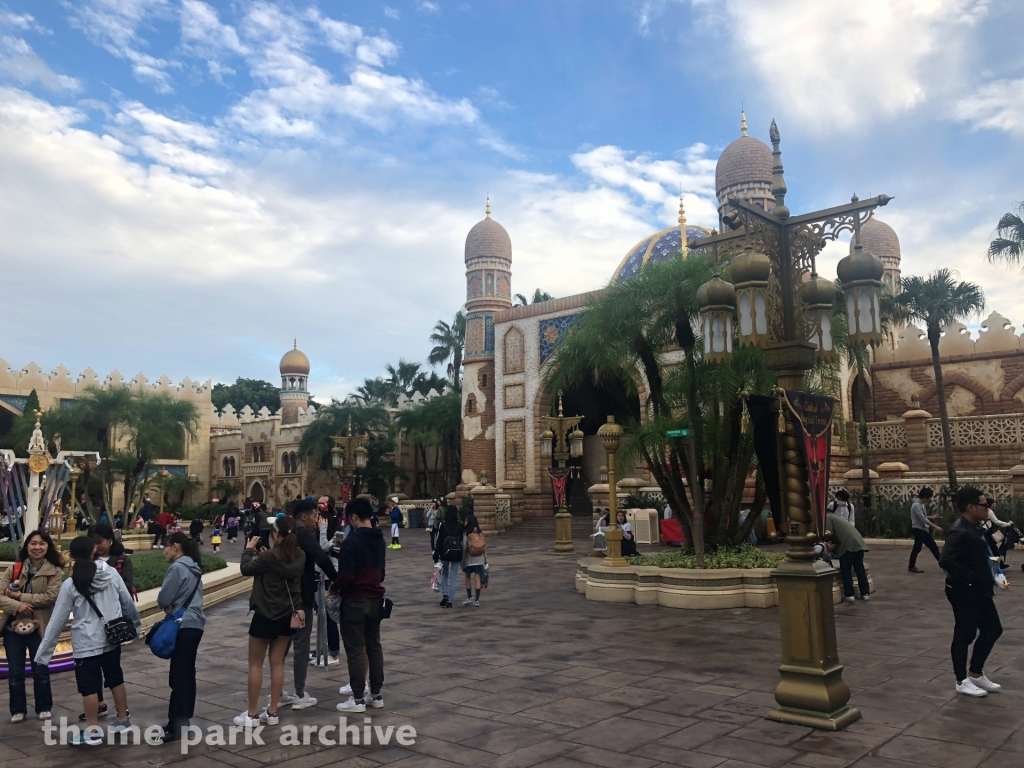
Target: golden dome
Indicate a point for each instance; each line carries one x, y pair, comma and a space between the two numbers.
295, 361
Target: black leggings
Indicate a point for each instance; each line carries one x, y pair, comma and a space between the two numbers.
182, 678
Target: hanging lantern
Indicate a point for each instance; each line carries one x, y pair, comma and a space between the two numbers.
361, 454
717, 300
818, 293
337, 457
602, 474
861, 276
576, 443
749, 272
547, 440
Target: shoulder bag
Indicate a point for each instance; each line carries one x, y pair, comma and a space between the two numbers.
298, 616
119, 630
163, 636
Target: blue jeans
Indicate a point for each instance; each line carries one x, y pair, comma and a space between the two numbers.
16, 645
449, 574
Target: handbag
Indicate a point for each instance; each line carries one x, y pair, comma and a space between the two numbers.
163, 636
386, 605
298, 620
333, 605
119, 630
24, 626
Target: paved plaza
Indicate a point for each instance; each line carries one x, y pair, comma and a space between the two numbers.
539, 676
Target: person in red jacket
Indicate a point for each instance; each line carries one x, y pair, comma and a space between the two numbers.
163, 521
360, 573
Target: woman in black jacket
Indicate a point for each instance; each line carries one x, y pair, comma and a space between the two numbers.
448, 551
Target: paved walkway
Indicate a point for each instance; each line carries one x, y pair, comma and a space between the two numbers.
538, 676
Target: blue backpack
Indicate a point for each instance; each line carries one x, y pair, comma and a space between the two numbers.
163, 635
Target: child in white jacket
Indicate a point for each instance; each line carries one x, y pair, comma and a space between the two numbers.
97, 661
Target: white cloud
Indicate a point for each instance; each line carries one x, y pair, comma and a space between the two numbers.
838, 64
427, 6
203, 35
18, 62
998, 106
392, 13
114, 25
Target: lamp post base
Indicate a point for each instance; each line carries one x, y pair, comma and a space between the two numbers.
812, 691
563, 532
613, 539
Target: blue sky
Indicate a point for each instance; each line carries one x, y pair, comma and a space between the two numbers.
190, 185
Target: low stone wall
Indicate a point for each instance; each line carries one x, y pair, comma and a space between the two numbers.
690, 588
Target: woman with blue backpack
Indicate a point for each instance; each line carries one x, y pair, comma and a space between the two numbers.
182, 589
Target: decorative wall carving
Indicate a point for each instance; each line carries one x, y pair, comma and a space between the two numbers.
515, 396
515, 450
515, 351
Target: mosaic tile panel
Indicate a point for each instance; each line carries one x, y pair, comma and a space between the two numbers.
551, 334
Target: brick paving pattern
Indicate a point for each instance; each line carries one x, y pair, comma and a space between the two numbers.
539, 676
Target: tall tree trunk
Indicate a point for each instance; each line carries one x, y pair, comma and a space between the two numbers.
862, 431
940, 391
696, 492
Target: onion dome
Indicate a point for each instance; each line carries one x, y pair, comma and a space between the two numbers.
716, 292
818, 291
880, 239
750, 267
294, 361
860, 265
661, 246
488, 240
745, 164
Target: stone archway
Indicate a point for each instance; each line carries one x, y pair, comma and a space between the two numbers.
256, 491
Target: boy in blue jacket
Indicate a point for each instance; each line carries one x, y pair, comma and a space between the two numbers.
396, 524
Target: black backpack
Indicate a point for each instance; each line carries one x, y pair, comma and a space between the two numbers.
451, 547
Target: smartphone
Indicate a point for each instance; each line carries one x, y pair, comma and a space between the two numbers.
339, 536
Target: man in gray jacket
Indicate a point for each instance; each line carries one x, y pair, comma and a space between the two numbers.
920, 525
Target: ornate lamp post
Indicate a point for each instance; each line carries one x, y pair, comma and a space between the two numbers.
349, 456
789, 317
611, 436
557, 442
193, 481
162, 477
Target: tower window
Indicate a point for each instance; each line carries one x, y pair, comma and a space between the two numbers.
483, 380
470, 404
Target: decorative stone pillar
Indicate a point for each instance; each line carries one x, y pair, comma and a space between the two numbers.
1017, 475
853, 479
598, 495
515, 491
916, 427
483, 506
892, 470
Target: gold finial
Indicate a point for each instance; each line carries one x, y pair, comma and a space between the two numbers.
743, 121
682, 226
488, 209
295, 343
559, 402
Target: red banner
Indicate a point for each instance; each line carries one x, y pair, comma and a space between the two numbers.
812, 421
346, 492
559, 476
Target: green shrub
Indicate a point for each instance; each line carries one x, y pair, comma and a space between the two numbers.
8, 551
204, 511
150, 568
744, 556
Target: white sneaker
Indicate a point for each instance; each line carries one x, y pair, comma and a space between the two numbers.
865, 598
268, 719
981, 682
468, 601
17, 718
305, 702
244, 720
848, 599
476, 603
45, 716
375, 701
968, 688
286, 698
351, 705
345, 690
333, 661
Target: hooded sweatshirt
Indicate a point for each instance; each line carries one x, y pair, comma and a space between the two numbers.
88, 637
361, 565
178, 585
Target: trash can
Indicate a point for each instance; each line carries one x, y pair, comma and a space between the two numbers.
415, 516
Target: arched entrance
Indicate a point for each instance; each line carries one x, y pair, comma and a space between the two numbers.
595, 402
256, 492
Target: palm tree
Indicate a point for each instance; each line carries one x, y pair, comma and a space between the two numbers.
938, 301
538, 297
1008, 245
449, 342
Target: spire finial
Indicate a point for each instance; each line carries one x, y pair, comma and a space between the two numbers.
743, 120
295, 343
682, 223
488, 209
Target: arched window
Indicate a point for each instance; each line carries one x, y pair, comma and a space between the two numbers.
295, 464
227, 467
514, 351
233, 468
286, 464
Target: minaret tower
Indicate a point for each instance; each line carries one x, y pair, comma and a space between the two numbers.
294, 384
488, 290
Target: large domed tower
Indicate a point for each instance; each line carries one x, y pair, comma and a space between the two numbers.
488, 290
294, 384
744, 170
879, 238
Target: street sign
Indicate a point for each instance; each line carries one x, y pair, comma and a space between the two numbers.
678, 433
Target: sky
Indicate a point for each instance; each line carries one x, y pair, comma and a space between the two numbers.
188, 186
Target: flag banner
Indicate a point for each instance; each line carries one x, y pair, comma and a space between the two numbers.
766, 445
346, 492
559, 476
812, 422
